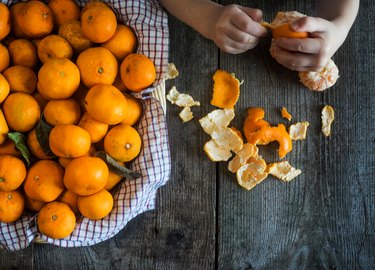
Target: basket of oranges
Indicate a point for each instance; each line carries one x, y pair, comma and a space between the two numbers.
83, 145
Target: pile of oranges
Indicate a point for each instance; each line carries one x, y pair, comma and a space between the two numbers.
71, 70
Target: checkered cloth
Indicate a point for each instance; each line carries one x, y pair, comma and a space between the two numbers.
132, 197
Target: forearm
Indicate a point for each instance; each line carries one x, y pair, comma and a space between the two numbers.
196, 13
340, 12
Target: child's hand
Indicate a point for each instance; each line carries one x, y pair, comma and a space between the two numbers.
313, 53
236, 29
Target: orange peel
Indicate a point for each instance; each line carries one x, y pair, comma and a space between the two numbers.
298, 130
226, 90
248, 150
252, 173
285, 114
283, 171
254, 122
284, 30
328, 115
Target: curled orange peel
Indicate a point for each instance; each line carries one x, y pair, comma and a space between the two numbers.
270, 134
254, 122
226, 90
284, 30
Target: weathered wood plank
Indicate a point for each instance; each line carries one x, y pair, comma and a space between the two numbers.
324, 218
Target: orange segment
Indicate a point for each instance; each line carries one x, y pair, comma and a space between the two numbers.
226, 90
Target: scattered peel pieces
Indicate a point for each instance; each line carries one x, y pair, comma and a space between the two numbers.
283, 171
328, 115
254, 122
320, 80
252, 173
216, 119
227, 138
226, 90
181, 100
186, 114
285, 114
298, 130
172, 71
242, 156
215, 152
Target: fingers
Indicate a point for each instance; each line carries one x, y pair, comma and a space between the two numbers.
245, 23
230, 45
307, 45
310, 24
255, 14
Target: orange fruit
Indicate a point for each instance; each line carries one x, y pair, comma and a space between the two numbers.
4, 58
23, 52
284, 30
12, 172
122, 43
133, 112
122, 143
97, 66
35, 19
69, 141
21, 111
4, 88
71, 30
86, 175
70, 198
21, 79
4, 21
106, 104
58, 78
98, 23
14, 13
54, 46
4, 129
113, 179
56, 220
12, 205
96, 206
96, 129
137, 72
94, 3
9, 148
35, 147
62, 111
33, 205
64, 10
44, 181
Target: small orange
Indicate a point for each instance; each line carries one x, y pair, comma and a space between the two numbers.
9, 148
4, 88
56, 220
44, 181
62, 111
14, 13
96, 206
4, 129
94, 3
123, 143
35, 19
35, 147
113, 178
133, 112
122, 43
86, 175
23, 52
21, 79
284, 30
64, 10
4, 21
54, 46
71, 30
69, 141
21, 111
4, 58
97, 65
96, 129
70, 198
106, 104
58, 78
137, 72
33, 205
12, 205
12, 172
98, 23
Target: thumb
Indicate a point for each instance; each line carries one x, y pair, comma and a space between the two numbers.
309, 24
255, 14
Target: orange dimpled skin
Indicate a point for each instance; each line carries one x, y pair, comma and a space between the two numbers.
86, 175
54, 46
69, 141
96, 206
44, 181
12, 172
21, 79
4, 57
23, 52
284, 30
12, 205
64, 10
62, 111
56, 220
5, 22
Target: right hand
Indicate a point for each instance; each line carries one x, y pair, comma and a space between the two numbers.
237, 28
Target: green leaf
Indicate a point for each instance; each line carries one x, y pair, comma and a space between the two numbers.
42, 131
117, 168
19, 140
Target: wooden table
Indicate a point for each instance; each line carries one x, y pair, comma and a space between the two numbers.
324, 219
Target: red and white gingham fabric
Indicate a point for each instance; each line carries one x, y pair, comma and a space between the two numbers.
132, 197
